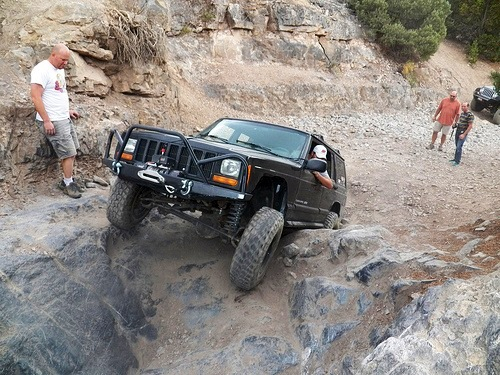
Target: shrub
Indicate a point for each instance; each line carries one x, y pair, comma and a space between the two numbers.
473, 53
495, 77
407, 29
489, 47
408, 71
137, 40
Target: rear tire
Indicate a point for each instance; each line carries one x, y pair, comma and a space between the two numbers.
256, 248
475, 105
332, 221
496, 117
125, 209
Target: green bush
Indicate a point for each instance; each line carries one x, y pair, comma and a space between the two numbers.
473, 53
489, 47
476, 20
407, 29
495, 77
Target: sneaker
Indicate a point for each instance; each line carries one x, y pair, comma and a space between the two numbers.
430, 147
455, 164
80, 184
440, 148
70, 190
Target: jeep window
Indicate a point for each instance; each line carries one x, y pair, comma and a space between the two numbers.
274, 139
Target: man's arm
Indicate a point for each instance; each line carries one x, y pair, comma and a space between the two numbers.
325, 181
36, 97
457, 113
438, 111
469, 128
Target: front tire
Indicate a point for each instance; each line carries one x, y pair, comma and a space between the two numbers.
496, 117
125, 208
256, 248
475, 105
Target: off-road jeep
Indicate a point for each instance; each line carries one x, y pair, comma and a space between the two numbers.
238, 179
486, 97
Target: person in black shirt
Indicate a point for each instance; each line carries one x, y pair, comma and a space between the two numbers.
463, 127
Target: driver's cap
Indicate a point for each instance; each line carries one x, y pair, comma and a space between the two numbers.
320, 151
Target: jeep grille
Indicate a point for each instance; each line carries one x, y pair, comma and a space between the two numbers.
177, 154
488, 92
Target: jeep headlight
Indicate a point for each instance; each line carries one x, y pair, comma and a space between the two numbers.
230, 167
130, 146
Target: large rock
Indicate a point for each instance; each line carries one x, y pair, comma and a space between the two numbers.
453, 329
88, 79
64, 310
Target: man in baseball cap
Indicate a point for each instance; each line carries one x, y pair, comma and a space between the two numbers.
319, 152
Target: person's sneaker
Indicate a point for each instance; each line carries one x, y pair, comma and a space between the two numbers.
440, 148
70, 190
61, 185
80, 184
455, 164
430, 147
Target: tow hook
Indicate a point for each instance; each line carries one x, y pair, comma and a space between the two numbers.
116, 166
186, 187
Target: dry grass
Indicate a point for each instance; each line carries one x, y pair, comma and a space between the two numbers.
137, 40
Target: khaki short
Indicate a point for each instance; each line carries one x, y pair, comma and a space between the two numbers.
65, 141
444, 129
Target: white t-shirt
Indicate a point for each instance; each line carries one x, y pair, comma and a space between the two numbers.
54, 97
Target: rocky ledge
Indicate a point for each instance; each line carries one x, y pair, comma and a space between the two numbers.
77, 296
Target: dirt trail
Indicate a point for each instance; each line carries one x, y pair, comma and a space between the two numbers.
451, 69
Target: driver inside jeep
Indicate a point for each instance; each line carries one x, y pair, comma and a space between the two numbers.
319, 152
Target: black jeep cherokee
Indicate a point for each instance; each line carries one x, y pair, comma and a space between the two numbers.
238, 179
487, 97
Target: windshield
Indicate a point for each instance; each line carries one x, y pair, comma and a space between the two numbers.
268, 138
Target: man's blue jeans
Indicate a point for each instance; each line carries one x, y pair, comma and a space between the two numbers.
459, 143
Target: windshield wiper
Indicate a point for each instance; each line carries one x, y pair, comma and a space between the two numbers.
214, 137
259, 147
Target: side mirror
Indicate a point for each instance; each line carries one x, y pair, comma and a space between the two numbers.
317, 165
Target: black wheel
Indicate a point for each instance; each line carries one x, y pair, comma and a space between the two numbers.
475, 105
332, 221
256, 248
496, 117
125, 208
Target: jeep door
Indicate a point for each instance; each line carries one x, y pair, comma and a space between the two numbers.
308, 197
338, 196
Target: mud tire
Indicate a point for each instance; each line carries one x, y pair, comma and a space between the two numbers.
475, 106
256, 248
125, 209
496, 117
332, 221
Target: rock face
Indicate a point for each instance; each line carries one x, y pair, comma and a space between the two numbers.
451, 329
64, 310
85, 298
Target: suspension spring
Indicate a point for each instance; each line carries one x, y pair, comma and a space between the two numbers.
233, 217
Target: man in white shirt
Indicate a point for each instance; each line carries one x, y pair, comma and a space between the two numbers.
49, 95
